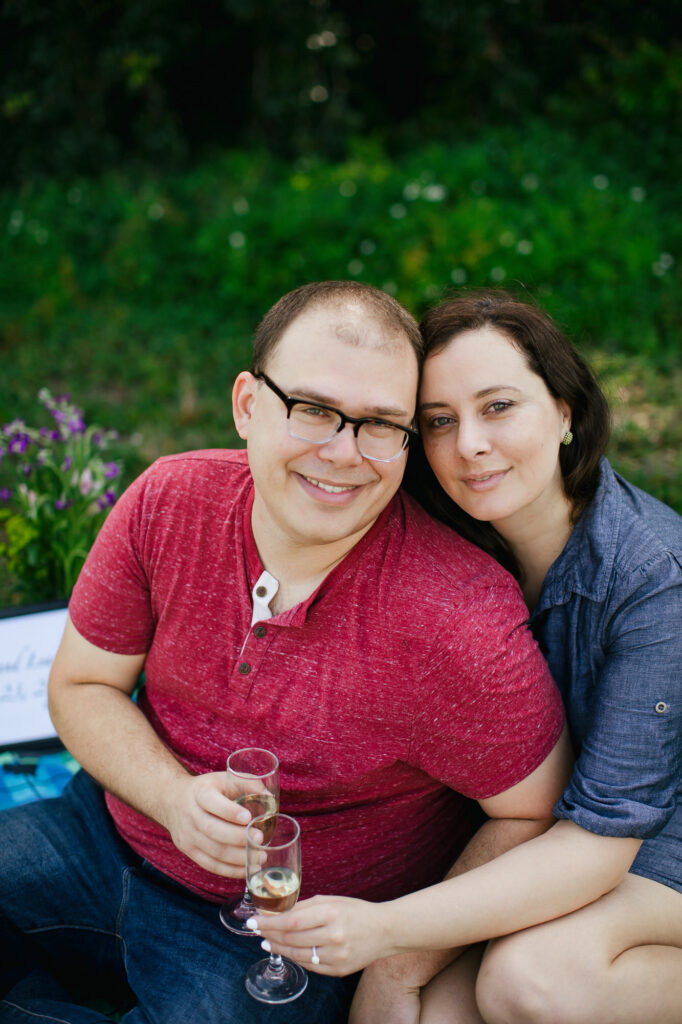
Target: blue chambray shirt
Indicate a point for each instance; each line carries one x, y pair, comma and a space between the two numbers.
609, 621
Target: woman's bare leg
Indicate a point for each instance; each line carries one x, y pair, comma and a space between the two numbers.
450, 997
616, 961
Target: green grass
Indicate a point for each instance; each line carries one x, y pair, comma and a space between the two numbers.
137, 293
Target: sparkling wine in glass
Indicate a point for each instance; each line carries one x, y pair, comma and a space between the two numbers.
252, 782
273, 877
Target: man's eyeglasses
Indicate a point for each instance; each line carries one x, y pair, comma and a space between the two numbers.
377, 439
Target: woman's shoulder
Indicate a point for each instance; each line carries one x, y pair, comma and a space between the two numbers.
647, 530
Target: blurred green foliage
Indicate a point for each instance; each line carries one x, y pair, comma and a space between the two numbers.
137, 293
170, 172
88, 83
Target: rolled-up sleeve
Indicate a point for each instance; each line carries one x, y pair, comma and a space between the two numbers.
629, 767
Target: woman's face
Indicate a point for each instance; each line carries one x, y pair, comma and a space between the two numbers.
492, 430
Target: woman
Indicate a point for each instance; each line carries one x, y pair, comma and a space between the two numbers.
514, 428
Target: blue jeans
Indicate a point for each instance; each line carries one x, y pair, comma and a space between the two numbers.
80, 910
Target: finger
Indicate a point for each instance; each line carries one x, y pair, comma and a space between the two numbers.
309, 958
222, 832
304, 916
297, 941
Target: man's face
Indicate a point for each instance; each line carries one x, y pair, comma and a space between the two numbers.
309, 495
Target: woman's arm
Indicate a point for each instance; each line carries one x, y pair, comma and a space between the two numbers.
547, 877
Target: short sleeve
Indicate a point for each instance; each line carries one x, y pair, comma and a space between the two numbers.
628, 771
110, 605
490, 712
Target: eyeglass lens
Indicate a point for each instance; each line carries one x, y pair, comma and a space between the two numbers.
376, 440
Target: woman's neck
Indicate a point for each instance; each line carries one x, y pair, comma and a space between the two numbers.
536, 542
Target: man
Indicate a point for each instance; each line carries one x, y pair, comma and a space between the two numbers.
285, 598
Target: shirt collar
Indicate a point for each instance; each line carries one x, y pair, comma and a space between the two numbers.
585, 565
297, 615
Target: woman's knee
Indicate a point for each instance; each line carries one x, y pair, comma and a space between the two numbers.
520, 982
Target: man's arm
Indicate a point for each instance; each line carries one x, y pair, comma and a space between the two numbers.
389, 989
89, 696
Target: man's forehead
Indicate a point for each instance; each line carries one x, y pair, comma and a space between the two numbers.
352, 323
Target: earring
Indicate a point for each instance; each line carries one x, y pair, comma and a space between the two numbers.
567, 438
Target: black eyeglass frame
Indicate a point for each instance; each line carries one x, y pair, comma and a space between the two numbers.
357, 421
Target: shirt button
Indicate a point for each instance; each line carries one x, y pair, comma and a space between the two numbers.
261, 591
661, 707
260, 632
245, 668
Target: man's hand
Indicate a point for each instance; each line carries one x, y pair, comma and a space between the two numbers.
207, 826
388, 991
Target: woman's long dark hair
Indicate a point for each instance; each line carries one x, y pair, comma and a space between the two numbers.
567, 376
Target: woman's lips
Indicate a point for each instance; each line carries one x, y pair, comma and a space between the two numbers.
484, 481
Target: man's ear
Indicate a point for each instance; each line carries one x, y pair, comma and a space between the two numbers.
243, 395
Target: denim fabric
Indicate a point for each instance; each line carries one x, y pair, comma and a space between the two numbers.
77, 905
609, 621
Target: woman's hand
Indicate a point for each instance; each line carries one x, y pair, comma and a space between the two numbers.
346, 934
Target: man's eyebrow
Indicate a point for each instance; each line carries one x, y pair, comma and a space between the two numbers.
477, 394
384, 411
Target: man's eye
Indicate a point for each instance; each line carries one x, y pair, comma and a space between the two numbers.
380, 429
313, 412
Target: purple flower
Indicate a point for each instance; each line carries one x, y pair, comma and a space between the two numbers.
96, 439
18, 444
67, 463
5, 494
107, 500
77, 424
110, 470
62, 503
26, 468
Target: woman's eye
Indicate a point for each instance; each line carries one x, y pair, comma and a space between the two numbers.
499, 406
439, 421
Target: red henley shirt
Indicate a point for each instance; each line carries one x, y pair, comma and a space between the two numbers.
407, 682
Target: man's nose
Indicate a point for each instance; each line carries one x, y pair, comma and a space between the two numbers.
342, 447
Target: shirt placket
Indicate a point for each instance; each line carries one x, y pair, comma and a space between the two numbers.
259, 637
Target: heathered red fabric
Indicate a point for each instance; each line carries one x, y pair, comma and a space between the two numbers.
409, 670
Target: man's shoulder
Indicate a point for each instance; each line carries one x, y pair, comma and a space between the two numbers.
199, 470
222, 459
433, 554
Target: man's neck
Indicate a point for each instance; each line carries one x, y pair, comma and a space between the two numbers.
298, 568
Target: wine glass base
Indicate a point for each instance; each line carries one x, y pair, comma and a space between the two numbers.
273, 985
234, 913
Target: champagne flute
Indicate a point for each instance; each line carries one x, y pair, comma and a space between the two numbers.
253, 782
273, 876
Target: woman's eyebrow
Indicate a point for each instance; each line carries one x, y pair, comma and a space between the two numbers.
477, 394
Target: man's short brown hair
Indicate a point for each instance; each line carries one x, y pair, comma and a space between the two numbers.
379, 305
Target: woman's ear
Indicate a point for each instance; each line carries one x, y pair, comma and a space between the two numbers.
566, 415
243, 395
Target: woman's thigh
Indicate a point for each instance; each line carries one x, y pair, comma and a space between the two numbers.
616, 958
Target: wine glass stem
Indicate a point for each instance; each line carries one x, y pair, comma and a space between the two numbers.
276, 965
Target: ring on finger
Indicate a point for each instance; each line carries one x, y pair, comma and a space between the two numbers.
314, 958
